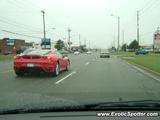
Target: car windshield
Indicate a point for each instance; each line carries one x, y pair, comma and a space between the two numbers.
64, 53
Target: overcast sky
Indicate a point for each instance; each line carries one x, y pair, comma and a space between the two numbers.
89, 18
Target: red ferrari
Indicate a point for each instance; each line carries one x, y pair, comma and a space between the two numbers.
47, 61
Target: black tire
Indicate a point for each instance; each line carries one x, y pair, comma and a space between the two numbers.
56, 71
19, 73
68, 65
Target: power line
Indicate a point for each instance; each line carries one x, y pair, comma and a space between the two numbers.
24, 3
149, 2
33, 5
11, 32
11, 2
16, 25
147, 33
149, 8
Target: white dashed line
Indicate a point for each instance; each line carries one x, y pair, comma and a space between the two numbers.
87, 63
65, 78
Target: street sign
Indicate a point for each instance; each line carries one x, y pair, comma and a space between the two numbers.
46, 41
9, 41
157, 36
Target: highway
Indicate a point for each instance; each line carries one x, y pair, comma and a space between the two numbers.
89, 78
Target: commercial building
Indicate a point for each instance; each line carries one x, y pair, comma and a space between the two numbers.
156, 41
10, 46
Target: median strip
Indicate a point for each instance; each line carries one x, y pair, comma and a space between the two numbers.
65, 77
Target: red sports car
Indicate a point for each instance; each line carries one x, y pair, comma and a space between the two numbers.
48, 61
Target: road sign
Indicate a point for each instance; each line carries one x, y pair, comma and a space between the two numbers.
9, 41
157, 36
46, 41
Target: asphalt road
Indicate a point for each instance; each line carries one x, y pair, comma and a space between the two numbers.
89, 78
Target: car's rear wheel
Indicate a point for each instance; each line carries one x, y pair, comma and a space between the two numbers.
67, 66
56, 71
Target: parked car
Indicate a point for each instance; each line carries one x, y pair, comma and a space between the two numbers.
47, 61
76, 53
105, 54
141, 51
64, 53
88, 52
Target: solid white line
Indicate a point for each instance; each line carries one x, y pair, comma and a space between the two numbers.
87, 63
144, 72
65, 78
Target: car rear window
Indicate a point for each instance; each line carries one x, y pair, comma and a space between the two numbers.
38, 52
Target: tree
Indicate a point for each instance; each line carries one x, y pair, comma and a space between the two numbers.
133, 45
59, 45
124, 47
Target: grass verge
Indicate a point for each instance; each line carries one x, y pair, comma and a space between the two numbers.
151, 61
6, 57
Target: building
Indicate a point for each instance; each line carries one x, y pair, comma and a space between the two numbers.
37, 45
10, 46
156, 40
148, 47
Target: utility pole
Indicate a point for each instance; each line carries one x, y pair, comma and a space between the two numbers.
118, 31
44, 28
69, 38
122, 37
114, 42
79, 40
85, 42
138, 28
89, 45
118, 37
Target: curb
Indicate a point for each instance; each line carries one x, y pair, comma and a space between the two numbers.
142, 67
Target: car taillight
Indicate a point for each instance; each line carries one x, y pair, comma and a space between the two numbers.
17, 57
47, 58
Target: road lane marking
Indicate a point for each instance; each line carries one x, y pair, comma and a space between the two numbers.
87, 63
65, 77
144, 72
6, 71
